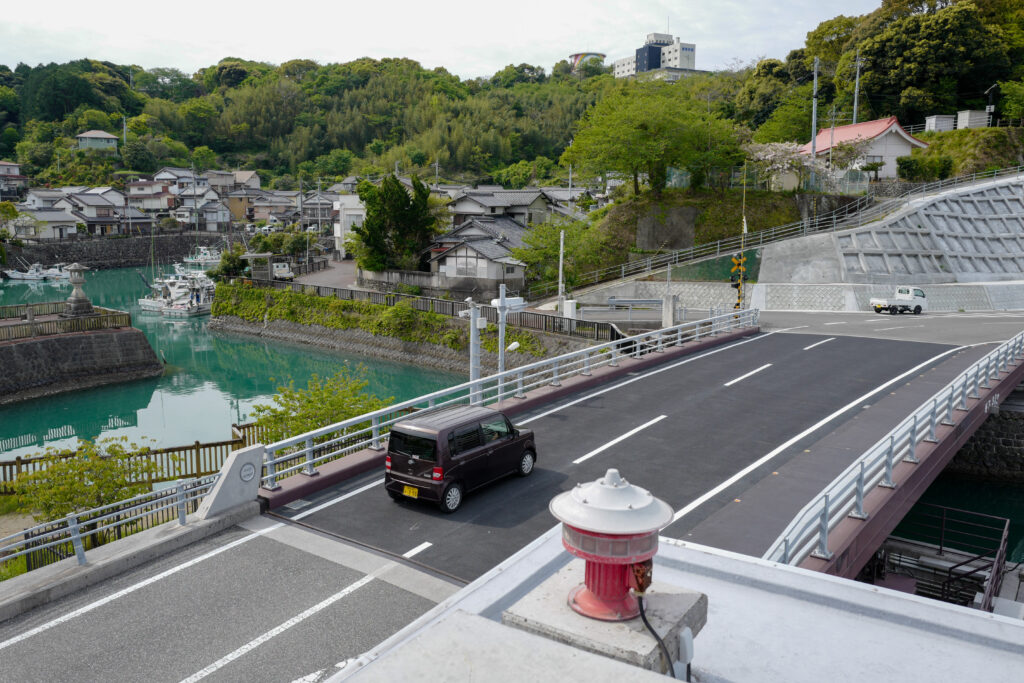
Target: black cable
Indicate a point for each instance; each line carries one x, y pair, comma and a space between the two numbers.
661, 643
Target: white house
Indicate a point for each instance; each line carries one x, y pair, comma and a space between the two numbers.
885, 141
348, 211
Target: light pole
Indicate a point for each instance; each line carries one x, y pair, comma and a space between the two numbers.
561, 283
505, 305
474, 349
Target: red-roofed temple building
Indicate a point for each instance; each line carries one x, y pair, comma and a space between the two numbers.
885, 139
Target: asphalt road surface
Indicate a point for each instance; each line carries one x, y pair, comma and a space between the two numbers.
280, 598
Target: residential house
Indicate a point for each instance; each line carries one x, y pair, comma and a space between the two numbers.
180, 178
99, 215
214, 216
222, 182
246, 179
42, 197
526, 206
189, 200
476, 256
116, 197
134, 221
12, 183
884, 140
348, 211
45, 223
349, 184
270, 203
97, 140
240, 203
317, 209
151, 195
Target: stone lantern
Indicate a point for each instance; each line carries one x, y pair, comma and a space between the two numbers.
78, 304
613, 526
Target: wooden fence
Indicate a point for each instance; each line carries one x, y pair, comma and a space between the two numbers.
173, 463
107, 319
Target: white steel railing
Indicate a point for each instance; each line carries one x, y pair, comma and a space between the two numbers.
68, 535
807, 534
303, 453
865, 210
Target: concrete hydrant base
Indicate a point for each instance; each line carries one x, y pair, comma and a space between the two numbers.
544, 611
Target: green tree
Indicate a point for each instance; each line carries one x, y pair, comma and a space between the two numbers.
398, 226
587, 247
138, 157
98, 474
198, 116
791, 120
924, 63
204, 158
643, 128
322, 402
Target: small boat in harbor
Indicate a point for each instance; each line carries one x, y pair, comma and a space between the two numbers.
185, 295
57, 272
33, 272
202, 258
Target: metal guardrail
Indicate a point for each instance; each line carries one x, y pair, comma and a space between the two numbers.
93, 527
529, 320
107, 319
853, 215
303, 453
807, 534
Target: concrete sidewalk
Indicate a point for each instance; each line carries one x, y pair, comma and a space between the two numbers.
341, 274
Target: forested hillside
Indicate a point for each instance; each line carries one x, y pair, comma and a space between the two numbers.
307, 120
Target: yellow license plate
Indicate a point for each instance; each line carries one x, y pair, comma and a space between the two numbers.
410, 491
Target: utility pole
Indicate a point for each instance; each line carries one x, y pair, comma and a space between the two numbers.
856, 87
832, 135
814, 122
570, 189
561, 285
435, 174
124, 133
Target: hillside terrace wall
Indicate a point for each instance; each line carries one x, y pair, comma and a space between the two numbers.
117, 252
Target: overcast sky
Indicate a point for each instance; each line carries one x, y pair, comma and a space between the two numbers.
469, 38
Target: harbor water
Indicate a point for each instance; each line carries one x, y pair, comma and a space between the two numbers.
211, 380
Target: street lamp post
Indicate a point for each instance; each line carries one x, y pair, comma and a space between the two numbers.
505, 305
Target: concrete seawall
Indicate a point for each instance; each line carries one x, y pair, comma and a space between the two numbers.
44, 366
363, 343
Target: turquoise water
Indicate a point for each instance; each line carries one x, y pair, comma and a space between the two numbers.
212, 380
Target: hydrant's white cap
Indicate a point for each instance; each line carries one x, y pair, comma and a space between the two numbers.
611, 505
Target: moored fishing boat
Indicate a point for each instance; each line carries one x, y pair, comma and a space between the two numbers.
33, 272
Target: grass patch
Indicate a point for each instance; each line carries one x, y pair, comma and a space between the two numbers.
974, 150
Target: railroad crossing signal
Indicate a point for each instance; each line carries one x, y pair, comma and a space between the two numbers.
737, 263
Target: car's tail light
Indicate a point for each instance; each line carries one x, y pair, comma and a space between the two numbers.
438, 474
387, 463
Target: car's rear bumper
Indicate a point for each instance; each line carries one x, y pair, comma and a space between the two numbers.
424, 490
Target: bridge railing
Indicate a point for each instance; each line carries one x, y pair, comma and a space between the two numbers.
303, 453
76, 533
855, 214
106, 319
807, 535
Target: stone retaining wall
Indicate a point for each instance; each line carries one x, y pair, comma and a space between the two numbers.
362, 342
114, 252
995, 451
50, 365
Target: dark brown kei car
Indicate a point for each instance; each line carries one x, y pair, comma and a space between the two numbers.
441, 455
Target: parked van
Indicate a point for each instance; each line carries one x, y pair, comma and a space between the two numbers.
441, 455
282, 271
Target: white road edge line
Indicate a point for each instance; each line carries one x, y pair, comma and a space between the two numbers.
823, 341
654, 372
281, 628
417, 550
693, 505
169, 572
743, 377
617, 439
827, 324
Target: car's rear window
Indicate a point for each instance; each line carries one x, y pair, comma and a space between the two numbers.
420, 447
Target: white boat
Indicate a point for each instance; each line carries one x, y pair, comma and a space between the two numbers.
34, 272
57, 272
177, 291
202, 257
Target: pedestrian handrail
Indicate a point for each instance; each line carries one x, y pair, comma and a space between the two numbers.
93, 527
105, 319
866, 209
304, 452
807, 534
21, 310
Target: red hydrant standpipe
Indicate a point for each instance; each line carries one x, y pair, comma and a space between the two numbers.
613, 526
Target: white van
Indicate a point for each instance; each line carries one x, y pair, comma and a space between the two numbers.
282, 271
